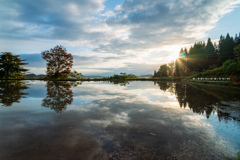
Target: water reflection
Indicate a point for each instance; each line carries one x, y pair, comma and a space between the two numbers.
12, 92
120, 82
105, 121
204, 99
59, 95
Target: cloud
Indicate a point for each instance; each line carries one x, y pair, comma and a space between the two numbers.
130, 68
103, 118
57, 19
108, 38
155, 23
86, 64
96, 65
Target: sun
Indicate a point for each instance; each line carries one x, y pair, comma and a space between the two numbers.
173, 56
173, 52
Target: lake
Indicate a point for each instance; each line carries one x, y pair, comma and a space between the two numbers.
127, 120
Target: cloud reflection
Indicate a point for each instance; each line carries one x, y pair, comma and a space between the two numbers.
118, 122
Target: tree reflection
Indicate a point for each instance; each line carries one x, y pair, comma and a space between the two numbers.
12, 91
202, 99
197, 100
120, 82
166, 86
59, 95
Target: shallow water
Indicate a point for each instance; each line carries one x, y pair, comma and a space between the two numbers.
101, 120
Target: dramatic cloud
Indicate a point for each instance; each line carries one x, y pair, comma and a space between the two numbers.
55, 19
108, 36
152, 24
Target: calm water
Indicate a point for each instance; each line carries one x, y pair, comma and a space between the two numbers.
102, 120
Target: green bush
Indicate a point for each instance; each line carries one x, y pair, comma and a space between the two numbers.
123, 76
229, 68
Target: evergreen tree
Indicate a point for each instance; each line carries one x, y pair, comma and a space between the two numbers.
237, 51
190, 52
185, 50
209, 48
177, 70
10, 66
237, 40
226, 46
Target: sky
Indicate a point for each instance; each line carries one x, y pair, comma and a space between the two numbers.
107, 37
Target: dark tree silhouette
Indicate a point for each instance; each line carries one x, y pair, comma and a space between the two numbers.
202, 57
205, 99
210, 49
226, 46
10, 66
59, 95
164, 85
11, 92
59, 62
163, 71
177, 70
237, 51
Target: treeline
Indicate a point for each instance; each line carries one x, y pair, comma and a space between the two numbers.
58, 61
122, 76
201, 57
59, 64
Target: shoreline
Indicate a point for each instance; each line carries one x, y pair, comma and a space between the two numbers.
175, 79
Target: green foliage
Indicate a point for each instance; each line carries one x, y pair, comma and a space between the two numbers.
171, 69
229, 68
165, 70
202, 57
123, 76
213, 66
75, 74
59, 62
210, 49
10, 66
226, 46
237, 50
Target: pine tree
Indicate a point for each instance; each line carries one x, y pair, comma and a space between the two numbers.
209, 48
226, 46
10, 66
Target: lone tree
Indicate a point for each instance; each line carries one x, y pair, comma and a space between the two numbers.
59, 62
10, 66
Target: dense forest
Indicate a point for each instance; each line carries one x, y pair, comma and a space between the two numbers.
222, 59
